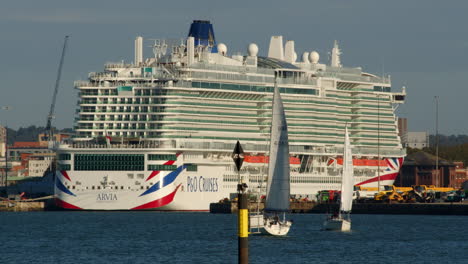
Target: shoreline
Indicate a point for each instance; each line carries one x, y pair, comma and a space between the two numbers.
458, 208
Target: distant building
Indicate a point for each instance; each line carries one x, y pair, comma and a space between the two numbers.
461, 174
418, 140
43, 140
37, 164
14, 169
20, 147
420, 168
3, 141
403, 130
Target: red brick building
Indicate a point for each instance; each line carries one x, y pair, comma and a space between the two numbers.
461, 174
420, 169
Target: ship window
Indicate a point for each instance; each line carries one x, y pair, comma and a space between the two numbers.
121, 187
64, 167
141, 187
99, 187
244, 87
64, 156
191, 167
214, 85
301, 91
196, 84
162, 167
162, 157
115, 162
92, 187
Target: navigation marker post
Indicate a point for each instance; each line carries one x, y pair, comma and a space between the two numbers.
243, 211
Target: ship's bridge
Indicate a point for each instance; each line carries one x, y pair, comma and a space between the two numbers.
271, 63
283, 69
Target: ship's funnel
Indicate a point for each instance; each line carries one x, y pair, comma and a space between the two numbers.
202, 31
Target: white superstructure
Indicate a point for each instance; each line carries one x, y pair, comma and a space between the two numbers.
158, 133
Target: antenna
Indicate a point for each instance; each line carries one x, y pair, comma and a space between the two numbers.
159, 48
156, 47
383, 69
163, 47
335, 55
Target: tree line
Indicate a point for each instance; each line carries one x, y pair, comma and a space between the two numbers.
451, 148
451, 140
30, 133
456, 152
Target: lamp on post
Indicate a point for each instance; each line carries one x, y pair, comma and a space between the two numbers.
378, 142
6, 108
437, 179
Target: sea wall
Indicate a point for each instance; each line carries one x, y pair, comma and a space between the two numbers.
15, 206
359, 208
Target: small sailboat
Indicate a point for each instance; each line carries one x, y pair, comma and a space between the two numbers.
278, 180
341, 221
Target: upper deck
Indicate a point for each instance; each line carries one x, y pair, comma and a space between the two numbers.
193, 90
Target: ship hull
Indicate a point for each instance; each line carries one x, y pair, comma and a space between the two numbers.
180, 189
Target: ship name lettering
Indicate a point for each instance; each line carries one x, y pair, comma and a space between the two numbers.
107, 197
202, 184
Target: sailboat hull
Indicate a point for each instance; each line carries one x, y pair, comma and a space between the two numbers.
276, 228
337, 224
340, 222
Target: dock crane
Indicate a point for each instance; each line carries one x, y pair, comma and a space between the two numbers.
48, 129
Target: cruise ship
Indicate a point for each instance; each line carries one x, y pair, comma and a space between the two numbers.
159, 133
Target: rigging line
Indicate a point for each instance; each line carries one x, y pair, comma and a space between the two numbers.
263, 171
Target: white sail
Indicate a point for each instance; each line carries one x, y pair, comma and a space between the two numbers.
347, 185
278, 189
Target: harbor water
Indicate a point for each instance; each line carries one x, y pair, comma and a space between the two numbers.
155, 237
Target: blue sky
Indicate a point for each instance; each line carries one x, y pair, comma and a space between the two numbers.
422, 44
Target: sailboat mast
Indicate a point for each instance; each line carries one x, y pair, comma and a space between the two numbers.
264, 173
271, 127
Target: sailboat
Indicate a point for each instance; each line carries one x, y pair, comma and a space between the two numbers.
342, 220
278, 184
